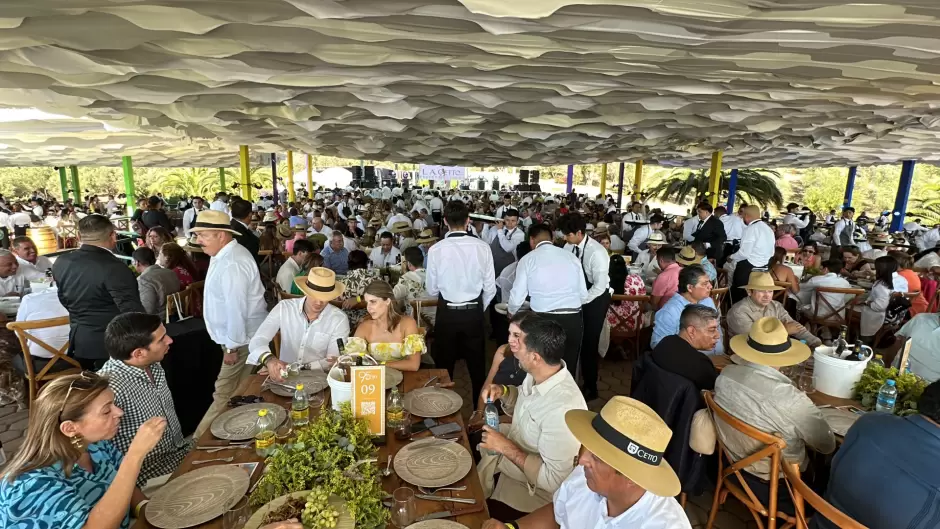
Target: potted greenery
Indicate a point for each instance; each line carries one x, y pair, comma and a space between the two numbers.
910, 387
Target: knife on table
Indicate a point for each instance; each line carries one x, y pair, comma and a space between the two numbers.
432, 497
450, 514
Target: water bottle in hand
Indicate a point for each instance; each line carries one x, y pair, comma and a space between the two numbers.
887, 396
491, 416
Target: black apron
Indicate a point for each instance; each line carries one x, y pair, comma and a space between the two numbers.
501, 258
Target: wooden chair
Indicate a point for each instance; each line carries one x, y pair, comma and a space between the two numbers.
638, 336
339, 304
825, 315
34, 379
731, 480
417, 307
281, 295
719, 295
781, 295
722, 280
801, 492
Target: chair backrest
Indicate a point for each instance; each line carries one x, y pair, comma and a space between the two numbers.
418, 305
825, 311
801, 492
781, 295
22, 330
718, 295
722, 280
281, 295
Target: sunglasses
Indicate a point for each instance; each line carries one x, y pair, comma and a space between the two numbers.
86, 378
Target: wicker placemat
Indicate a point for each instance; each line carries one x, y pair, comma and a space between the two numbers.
433, 463
197, 497
240, 424
432, 402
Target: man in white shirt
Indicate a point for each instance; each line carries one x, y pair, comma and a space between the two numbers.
689, 227
930, 239
734, 230
829, 277
536, 452
638, 240
303, 248
31, 265
595, 264
317, 226
189, 216
398, 216
437, 207
386, 254
220, 203
233, 304
11, 282
411, 285
554, 281
501, 210
421, 223
843, 233
757, 247
19, 221
42, 305
929, 261
634, 215
503, 239
309, 327
460, 273
794, 218
112, 206
622, 481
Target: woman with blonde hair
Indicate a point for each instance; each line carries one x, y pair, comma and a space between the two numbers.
67, 474
385, 333
156, 238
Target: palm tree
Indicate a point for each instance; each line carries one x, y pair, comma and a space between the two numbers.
190, 182
928, 209
755, 186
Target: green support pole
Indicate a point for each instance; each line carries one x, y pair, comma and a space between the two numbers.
64, 182
128, 167
221, 179
76, 188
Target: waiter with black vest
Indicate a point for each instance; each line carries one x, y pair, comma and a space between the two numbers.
460, 273
552, 278
508, 236
595, 265
189, 216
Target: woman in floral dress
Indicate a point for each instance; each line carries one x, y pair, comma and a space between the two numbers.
625, 316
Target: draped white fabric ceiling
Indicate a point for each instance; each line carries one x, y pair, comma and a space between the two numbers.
471, 82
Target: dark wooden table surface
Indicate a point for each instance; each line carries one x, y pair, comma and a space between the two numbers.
412, 380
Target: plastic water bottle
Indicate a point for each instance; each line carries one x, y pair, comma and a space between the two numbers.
491, 415
878, 361
300, 407
887, 396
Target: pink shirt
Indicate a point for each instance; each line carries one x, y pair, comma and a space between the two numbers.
787, 242
667, 283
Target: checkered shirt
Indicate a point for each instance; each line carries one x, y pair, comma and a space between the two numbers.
142, 399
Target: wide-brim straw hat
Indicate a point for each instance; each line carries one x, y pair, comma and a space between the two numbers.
190, 244
375, 222
284, 231
761, 281
630, 437
212, 220
320, 284
399, 227
656, 237
300, 227
426, 236
769, 344
687, 257
269, 217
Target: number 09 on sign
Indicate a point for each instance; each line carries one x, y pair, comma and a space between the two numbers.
368, 396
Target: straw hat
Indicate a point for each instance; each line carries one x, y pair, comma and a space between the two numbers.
769, 344
687, 257
400, 226
375, 222
761, 281
656, 237
629, 436
212, 220
190, 244
284, 231
300, 227
320, 284
269, 217
880, 239
425, 237
602, 227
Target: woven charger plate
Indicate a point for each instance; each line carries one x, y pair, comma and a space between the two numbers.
197, 497
393, 377
313, 381
432, 402
344, 521
433, 463
437, 524
240, 424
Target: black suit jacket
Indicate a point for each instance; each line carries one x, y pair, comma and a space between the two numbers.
247, 238
94, 286
712, 232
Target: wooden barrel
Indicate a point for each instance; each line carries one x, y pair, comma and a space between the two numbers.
44, 238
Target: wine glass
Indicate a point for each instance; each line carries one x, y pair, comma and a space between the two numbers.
403, 507
237, 516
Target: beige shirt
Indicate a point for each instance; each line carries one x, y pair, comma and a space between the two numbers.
538, 428
744, 313
766, 399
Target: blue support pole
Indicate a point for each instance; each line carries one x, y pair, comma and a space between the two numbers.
570, 182
850, 187
904, 192
732, 189
620, 186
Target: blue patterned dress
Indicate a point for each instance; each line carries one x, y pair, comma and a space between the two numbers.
46, 499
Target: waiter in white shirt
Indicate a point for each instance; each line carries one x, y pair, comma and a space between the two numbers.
794, 217
757, 247
189, 216
501, 210
460, 273
437, 207
506, 235
638, 241
843, 233
554, 281
734, 230
689, 227
221, 203
595, 263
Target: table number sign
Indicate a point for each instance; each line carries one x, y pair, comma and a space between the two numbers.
368, 396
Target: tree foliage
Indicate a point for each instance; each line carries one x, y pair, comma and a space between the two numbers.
755, 186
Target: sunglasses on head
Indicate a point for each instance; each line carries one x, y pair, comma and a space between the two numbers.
86, 379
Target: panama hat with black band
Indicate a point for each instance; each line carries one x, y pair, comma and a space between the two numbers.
761, 281
426, 236
212, 220
630, 437
320, 284
687, 257
768, 343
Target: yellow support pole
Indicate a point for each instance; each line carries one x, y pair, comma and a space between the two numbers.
638, 180
291, 195
245, 183
603, 179
714, 179
310, 176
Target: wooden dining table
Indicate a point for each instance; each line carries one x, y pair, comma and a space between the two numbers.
411, 381
818, 397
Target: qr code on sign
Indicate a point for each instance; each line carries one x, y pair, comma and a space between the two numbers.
367, 408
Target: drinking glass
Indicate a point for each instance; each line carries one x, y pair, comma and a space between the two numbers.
403, 507
806, 383
403, 431
237, 516
316, 400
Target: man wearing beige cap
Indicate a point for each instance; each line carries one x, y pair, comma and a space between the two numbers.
622, 480
233, 304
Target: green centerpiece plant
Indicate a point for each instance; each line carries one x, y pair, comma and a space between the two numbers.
328, 454
910, 387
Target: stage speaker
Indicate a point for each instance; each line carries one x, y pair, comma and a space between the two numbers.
495, 184
523, 176
356, 172
481, 184
533, 177
370, 172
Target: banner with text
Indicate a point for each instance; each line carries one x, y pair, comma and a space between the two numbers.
442, 172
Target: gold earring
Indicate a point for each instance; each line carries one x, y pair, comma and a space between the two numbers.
78, 442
